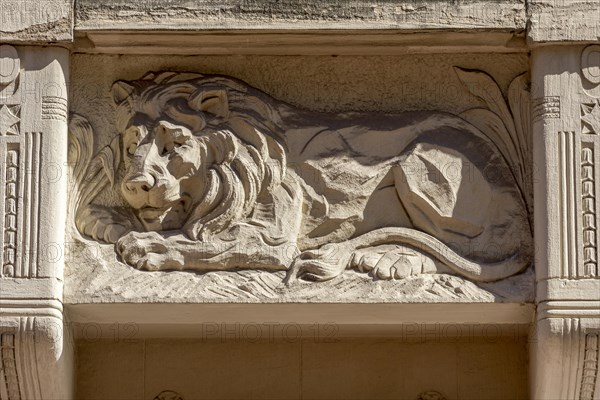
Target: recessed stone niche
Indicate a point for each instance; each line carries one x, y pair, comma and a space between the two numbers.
313, 336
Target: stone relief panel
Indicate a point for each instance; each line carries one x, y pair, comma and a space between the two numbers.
210, 174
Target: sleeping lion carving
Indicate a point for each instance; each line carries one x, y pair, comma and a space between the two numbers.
218, 175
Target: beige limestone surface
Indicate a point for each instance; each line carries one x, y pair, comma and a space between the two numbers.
36, 21
305, 14
563, 21
382, 84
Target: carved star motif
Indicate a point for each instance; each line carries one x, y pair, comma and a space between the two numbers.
8, 122
591, 118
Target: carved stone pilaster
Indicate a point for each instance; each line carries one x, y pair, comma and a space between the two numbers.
566, 153
34, 359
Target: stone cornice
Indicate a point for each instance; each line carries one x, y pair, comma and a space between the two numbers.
298, 15
56, 21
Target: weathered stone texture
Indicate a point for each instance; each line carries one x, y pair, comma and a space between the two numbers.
23, 21
305, 14
564, 20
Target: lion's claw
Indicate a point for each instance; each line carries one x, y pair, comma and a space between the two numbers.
103, 224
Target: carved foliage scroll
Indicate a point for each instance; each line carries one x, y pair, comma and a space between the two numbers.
506, 123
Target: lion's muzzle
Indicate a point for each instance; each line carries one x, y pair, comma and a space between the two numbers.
140, 183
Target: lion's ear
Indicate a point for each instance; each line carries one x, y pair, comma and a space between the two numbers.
211, 101
121, 91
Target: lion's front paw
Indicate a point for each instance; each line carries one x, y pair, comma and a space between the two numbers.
320, 264
103, 224
148, 251
390, 261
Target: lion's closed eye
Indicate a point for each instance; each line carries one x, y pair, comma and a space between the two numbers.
173, 142
131, 139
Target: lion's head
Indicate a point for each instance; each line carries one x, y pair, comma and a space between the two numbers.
198, 150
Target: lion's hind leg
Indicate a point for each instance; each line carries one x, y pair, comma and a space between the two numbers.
331, 260
382, 261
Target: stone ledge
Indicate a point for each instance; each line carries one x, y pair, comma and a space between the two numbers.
296, 42
356, 318
305, 14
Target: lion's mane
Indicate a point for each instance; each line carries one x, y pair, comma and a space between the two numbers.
245, 147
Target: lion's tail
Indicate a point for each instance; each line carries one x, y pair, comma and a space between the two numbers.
479, 272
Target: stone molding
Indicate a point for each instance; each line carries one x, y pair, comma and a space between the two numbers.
253, 14
560, 21
314, 42
32, 163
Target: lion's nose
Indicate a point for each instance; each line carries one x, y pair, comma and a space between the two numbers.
140, 183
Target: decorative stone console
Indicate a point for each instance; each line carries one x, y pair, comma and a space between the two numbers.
280, 200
